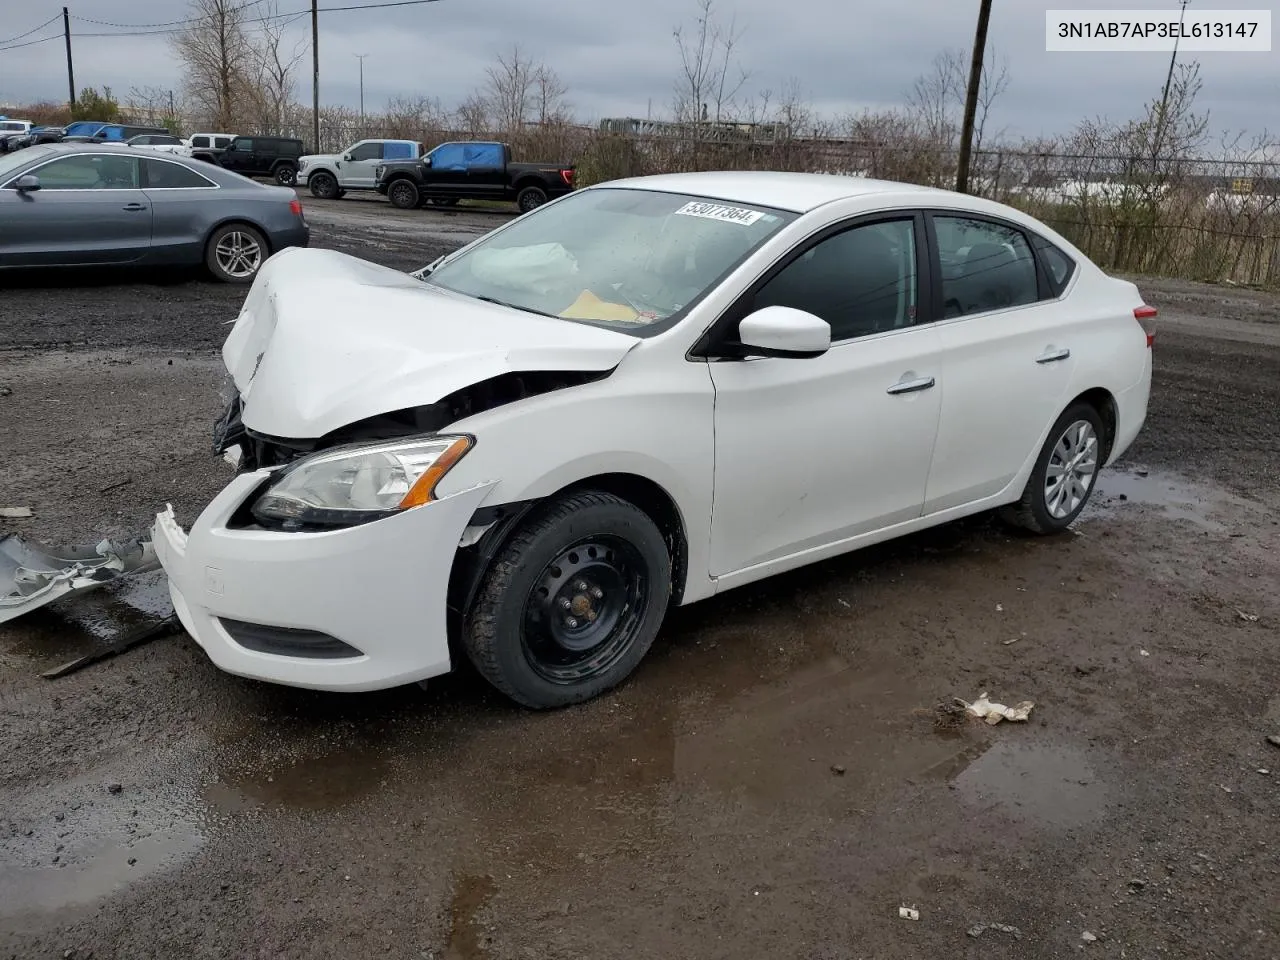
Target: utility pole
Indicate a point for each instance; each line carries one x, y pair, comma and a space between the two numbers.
1168, 83
360, 57
71, 74
315, 76
971, 97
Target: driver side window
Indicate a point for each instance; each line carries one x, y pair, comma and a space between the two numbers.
88, 172
367, 151
861, 281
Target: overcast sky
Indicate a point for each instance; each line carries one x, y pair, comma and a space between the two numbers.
618, 58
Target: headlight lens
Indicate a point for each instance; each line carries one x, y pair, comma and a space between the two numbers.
378, 171
302, 164
346, 487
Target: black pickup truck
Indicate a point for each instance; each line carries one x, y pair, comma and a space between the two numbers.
472, 170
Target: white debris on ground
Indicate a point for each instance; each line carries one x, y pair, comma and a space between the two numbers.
993, 713
32, 575
18, 513
908, 913
1088, 937
979, 928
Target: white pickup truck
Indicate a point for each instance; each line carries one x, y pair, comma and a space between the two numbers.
329, 176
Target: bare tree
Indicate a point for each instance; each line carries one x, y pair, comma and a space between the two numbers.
710, 75
510, 88
274, 62
473, 114
218, 57
151, 105
548, 95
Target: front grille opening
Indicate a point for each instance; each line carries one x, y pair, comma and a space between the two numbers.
288, 642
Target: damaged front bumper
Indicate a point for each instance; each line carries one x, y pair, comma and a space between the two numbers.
32, 575
359, 608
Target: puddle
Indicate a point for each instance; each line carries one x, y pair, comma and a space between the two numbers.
78, 843
81, 623
465, 937
1042, 784
329, 781
1177, 497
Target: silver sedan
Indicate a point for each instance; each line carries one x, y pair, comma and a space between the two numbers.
98, 205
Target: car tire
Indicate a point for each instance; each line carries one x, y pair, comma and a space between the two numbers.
285, 175
235, 252
1064, 474
530, 198
404, 195
323, 186
605, 559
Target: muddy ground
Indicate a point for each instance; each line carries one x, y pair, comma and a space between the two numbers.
774, 782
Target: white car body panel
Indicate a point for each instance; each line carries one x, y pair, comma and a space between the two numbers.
770, 463
305, 365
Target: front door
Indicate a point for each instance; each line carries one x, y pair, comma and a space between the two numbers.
90, 209
811, 452
360, 171
1007, 358
447, 173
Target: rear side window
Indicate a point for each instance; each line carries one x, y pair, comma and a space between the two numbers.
398, 151
242, 145
482, 155
162, 175
268, 146
985, 266
221, 142
286, 148
1058, 267
200, 141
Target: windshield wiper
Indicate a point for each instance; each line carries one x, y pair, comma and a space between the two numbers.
515, 306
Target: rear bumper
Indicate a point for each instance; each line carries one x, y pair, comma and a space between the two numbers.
299, 236
375, 595
1131, 412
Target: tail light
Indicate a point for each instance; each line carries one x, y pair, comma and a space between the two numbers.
1146, 316
567, 177
295, 207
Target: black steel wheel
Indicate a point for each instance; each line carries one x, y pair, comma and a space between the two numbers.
286, 175
404, 195
530, 198
323, 186
572, 602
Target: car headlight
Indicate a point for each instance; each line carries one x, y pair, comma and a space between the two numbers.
302, 164
378, 172
346, 487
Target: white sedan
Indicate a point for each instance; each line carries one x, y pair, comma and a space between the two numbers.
638, 396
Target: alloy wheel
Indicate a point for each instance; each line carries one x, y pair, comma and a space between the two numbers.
238, 254
1071, 469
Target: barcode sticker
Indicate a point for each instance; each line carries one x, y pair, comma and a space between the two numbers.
717, 211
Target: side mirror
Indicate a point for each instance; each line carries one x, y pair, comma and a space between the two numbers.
347, 157
784, 332
426, 161
27, 183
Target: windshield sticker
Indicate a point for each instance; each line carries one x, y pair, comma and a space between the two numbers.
717, 211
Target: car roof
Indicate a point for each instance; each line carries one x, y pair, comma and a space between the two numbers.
112, 148
797, 192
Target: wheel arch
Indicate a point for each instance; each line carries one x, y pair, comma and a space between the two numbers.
1104, 401
472, 562
529, 180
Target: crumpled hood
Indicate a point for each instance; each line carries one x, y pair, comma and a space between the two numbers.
325, 339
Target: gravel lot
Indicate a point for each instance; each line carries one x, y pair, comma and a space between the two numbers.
774, 782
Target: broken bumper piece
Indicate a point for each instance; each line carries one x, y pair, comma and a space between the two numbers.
32, 575
361, 608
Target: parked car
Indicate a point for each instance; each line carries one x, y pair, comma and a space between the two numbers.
93, 205
520, 445
472, 170
108, 133
330, 176
162, 143
210, 146
12, 129
275, 157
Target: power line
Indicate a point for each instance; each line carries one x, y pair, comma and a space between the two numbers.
166, 23
32, 30
176, 26
32, 43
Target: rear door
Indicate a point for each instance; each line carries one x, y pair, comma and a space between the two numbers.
486, 169
90, 209
1006, 342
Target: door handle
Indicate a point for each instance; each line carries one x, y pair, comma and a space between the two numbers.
1053, 356
135, 207
912, 386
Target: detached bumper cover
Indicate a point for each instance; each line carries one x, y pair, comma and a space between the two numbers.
379, 588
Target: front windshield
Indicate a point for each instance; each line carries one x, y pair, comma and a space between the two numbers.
20, 158
626, 258
84, 128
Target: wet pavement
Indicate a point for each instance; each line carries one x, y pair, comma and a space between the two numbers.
783, 773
